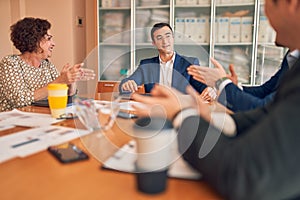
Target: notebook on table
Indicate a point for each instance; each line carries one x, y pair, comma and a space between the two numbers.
45, 103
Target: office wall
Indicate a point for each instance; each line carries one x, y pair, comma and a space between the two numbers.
59, 14
71, 40
5, 21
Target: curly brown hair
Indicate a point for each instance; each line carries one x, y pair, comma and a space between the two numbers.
28, 32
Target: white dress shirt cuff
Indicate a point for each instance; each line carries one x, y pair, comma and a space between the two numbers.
224, 122
223, 84
182, 115
220, 120
240, 85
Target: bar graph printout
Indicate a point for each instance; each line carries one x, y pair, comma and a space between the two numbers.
29, 119
28, 142
41, 135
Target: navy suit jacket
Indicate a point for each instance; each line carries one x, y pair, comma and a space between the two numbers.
148, 73
252, 97
262, 161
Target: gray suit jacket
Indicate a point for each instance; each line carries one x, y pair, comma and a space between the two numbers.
263, 160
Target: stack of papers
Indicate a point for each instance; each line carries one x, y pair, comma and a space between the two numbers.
38, 138
19, 118
124, 160
128, 105
28, 142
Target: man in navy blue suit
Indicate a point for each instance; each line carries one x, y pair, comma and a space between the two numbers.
169, 68
245, 98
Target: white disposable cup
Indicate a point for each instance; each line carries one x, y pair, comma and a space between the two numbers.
154, 145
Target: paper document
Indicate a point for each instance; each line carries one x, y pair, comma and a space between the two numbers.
128, 105
124, 159
5, 127
25, 143
29, 119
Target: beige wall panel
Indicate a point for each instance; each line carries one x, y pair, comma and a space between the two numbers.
59, 13
6, 46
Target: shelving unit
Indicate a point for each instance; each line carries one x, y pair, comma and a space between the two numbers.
251, 48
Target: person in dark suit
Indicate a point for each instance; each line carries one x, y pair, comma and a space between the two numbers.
245, 98
169, 68
256, 154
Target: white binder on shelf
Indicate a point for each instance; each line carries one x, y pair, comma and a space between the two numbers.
251, 1
216, 26
190, 29
203, 2
263, 29
180, 2
191, 2
225, 1
202, 29
234, 29
246, 28
223, 29
109, 3
272, 35
179, 29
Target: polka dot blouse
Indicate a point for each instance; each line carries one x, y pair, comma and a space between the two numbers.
18, 81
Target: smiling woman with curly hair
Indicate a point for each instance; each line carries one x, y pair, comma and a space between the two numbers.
24, 78
27, 33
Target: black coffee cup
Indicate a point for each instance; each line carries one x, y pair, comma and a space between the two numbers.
152, 182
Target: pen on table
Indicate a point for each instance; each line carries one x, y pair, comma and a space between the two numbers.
48, 131
26, 142
51, 130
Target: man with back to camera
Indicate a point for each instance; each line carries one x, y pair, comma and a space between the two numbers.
168, 68
257, 155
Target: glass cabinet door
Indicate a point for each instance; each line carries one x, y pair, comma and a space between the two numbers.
148, 13
232, 31
269, 56
114, 38
192, 28
233, 36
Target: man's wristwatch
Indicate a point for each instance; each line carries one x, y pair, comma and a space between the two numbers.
219, 81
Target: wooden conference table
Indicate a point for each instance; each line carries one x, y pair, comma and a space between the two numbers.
41, 177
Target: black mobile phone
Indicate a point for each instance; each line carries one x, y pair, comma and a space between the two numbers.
67, 153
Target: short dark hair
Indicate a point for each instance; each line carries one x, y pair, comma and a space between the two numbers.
28, 32
159, 26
